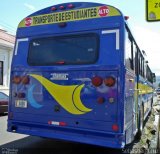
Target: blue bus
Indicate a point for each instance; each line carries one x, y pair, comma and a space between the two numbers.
78, 74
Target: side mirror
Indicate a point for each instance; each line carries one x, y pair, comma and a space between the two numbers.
152, 10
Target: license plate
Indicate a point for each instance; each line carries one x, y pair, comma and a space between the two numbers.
21, 103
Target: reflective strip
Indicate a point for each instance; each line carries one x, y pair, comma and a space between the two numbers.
55, 123
117, 36
17, 43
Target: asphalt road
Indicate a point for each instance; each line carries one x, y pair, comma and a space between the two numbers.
11, 143
6, 137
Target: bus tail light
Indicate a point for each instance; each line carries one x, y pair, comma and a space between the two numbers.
115, 127
109, 81
70, 6
25, 80
62, 123
97, 81
49, 122
16, 79
53, 8
62, 7
101, 100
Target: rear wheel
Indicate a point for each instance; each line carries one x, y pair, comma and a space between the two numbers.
140, 123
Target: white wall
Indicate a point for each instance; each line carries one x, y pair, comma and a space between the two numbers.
6, 56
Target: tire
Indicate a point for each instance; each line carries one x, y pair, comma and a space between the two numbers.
140, 123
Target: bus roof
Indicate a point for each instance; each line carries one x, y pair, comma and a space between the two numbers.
75, 12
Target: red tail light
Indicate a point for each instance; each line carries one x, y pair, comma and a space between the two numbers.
62, 7
25, 79
16, 79
97, 81
115, 127
53, 8
49, 122
62, 123
110, 81
101, 100
70, 6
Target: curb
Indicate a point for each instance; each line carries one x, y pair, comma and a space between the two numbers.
153, 149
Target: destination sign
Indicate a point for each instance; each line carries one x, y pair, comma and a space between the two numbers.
68, 16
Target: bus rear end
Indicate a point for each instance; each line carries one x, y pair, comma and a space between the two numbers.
65, 79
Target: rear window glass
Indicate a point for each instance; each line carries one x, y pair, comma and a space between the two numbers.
79, 49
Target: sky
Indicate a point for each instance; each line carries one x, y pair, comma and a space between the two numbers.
147, 34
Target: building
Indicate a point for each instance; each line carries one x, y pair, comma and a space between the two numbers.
6, 50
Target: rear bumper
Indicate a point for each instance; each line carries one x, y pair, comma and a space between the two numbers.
105, 139
3, 108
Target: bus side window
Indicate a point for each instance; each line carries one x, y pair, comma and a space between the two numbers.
130, 55
141, 64
149, 74
138, 61
134, 57
143, 67
135, 49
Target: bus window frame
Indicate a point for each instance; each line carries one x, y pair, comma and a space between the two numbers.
139, 66
131, 59
149, 74
66, 36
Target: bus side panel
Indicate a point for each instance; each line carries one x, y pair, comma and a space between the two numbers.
130, 107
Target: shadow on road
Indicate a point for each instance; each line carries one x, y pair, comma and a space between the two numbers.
36, 145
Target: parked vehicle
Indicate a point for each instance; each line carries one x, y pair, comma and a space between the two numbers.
3, 102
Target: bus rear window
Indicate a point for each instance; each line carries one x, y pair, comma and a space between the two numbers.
79, 49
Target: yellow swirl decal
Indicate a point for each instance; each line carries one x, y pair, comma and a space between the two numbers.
67, 96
